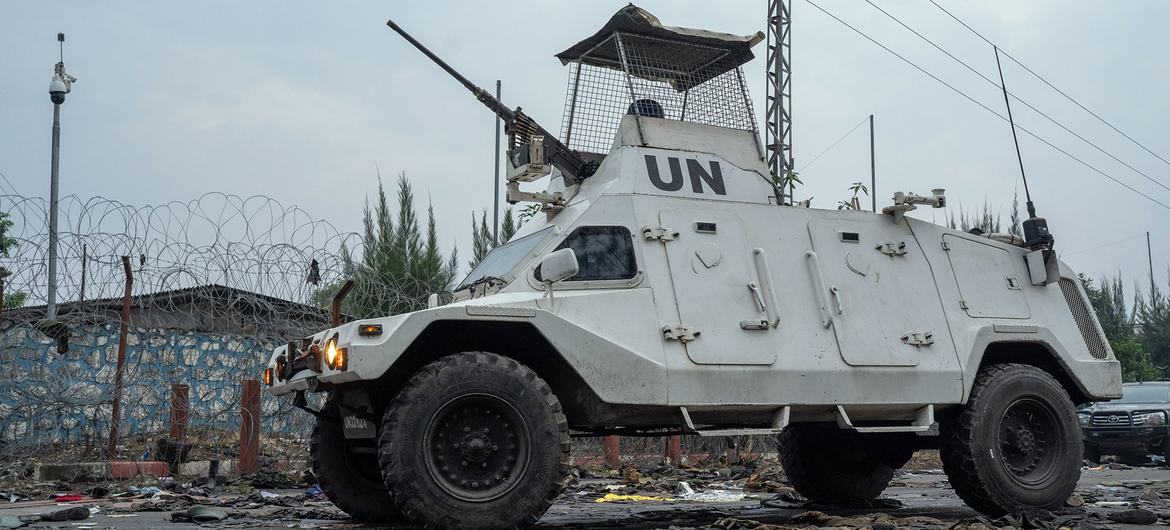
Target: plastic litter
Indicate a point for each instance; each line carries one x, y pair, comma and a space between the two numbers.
614, 497
315, 492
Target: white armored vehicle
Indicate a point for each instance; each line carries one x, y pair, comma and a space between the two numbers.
668, 288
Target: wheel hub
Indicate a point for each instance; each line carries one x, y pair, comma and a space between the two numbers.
1026, 430
477, 446
1024, 441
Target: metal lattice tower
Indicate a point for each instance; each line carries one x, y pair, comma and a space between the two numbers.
778, 117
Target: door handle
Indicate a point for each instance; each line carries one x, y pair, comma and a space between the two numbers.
755, 289
771, 308
819, 285
836, 298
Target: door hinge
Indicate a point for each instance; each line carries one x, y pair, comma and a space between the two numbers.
660, 233
946, 245
918, 338
892, 249
963, 304
680, 333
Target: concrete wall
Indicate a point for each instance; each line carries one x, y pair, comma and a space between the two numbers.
51, 397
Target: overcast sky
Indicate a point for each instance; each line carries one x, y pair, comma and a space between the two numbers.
301, 100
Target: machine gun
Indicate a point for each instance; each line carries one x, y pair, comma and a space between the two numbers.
531, 149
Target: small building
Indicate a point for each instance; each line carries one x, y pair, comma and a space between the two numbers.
210, 337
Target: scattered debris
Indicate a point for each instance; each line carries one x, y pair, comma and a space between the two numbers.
614, 497
1134, 516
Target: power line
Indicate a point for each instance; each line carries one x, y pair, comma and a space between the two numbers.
1083, 250
1017, 98
839, 140
1050, 85
985, 107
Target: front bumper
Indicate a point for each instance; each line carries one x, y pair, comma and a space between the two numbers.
294, 371
1126, 438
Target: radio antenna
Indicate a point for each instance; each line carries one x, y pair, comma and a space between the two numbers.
1035, 228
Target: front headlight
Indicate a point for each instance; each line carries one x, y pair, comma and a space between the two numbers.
1083, 418
336, 357
1153, 419
331, 351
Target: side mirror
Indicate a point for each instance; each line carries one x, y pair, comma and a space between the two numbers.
558, 266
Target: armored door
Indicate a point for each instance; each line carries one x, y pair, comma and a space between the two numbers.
720, 317
877, 293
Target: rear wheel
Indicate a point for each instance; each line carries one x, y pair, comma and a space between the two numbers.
348, 471
831, 465
475, 440
1016, 445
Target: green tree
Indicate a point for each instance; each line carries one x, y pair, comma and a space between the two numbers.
984, 219
481, 240
1108, 302
1153, 323
1015, 228
481, 235
508, 226
7, 244
399, 267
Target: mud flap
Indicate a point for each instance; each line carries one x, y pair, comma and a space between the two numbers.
357, 416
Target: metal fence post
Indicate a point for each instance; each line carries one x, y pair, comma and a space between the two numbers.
674, 450
249, 427
116, 414
180, 406
612, 451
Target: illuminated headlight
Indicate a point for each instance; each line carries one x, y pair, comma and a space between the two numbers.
330, 351
1083, 418
1152, 419
336, 357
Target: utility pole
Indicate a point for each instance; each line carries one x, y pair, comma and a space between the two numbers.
60, 85
778, 115
1150, 257
872, 168
496, 182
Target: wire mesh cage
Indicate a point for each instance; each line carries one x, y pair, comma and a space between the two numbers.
629, 73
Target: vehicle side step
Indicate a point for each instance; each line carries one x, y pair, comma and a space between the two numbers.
779, 422
923, 421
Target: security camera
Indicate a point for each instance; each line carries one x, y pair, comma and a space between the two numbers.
58, 89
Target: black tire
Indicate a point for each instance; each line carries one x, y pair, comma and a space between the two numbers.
1016, 445
832, 465
352, 481
509, 444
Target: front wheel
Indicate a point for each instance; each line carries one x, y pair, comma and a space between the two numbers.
1016, 445
348, 471
474, 440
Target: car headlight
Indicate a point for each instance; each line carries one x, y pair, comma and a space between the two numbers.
336, 357
330, 351
1083, 418
1153, 419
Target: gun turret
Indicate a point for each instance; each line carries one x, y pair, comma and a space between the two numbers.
523, 132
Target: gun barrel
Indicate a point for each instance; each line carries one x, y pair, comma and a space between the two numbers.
520, 125
482, 95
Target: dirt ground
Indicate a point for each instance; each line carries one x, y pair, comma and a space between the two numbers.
723, 497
